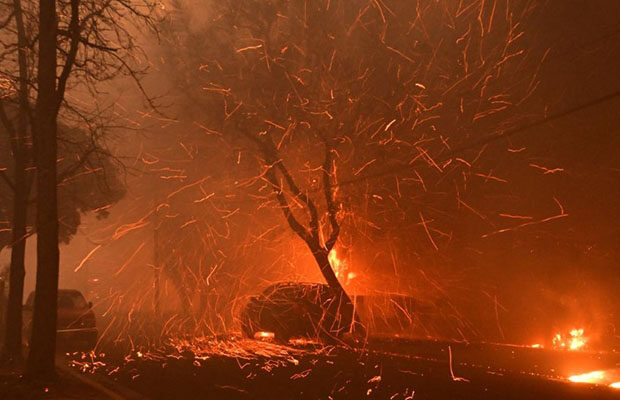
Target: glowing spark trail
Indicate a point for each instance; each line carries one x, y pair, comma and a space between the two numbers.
86, 258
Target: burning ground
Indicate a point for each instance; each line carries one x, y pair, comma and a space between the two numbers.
240, 369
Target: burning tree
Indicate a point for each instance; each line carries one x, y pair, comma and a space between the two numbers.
338, 101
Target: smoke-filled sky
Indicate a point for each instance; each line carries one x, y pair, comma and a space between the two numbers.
529, 233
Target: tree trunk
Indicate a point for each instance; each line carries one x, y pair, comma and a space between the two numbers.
12, 349
43, 342
342, 308
322, 258
13, 340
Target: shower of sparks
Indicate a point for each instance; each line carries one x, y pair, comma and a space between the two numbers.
204, 229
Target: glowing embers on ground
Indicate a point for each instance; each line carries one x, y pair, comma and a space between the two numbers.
264, 335
341, 268
575, 340
86, 362
609, 378
205, 347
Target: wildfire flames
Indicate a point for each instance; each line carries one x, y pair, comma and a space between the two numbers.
574, 341
599, 377
341, 268
588, 377
577, 341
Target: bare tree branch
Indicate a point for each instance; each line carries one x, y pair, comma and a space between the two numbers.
270, 152
314, 218
272, 161
71, 55
74, 168
86, 42
297, 227
332, 207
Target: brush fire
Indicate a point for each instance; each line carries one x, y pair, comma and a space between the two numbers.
608, 378
327, 199
575, 340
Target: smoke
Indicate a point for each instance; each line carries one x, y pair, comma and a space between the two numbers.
221, 238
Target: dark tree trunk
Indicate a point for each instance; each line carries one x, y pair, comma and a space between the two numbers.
13, 340
43, 342
12, 349
342, 307
322, 258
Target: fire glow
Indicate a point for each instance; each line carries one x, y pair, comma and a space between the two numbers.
574, 341
264, 335
341, 269
588, 377
598, 377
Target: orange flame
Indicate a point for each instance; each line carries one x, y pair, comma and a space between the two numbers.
340, 267
264, 335
575, 341
599, 377
588, 377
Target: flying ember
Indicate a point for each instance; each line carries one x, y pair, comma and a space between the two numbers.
326, 199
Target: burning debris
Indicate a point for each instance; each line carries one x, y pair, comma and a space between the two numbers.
574, 341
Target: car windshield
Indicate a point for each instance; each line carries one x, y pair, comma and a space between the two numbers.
71, 300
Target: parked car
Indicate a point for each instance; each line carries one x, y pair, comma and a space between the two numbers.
76, 327
287, 310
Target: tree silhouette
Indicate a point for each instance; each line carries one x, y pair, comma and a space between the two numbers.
318, 94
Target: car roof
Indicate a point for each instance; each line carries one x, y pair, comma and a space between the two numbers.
67, 291
292, 284
62, 291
